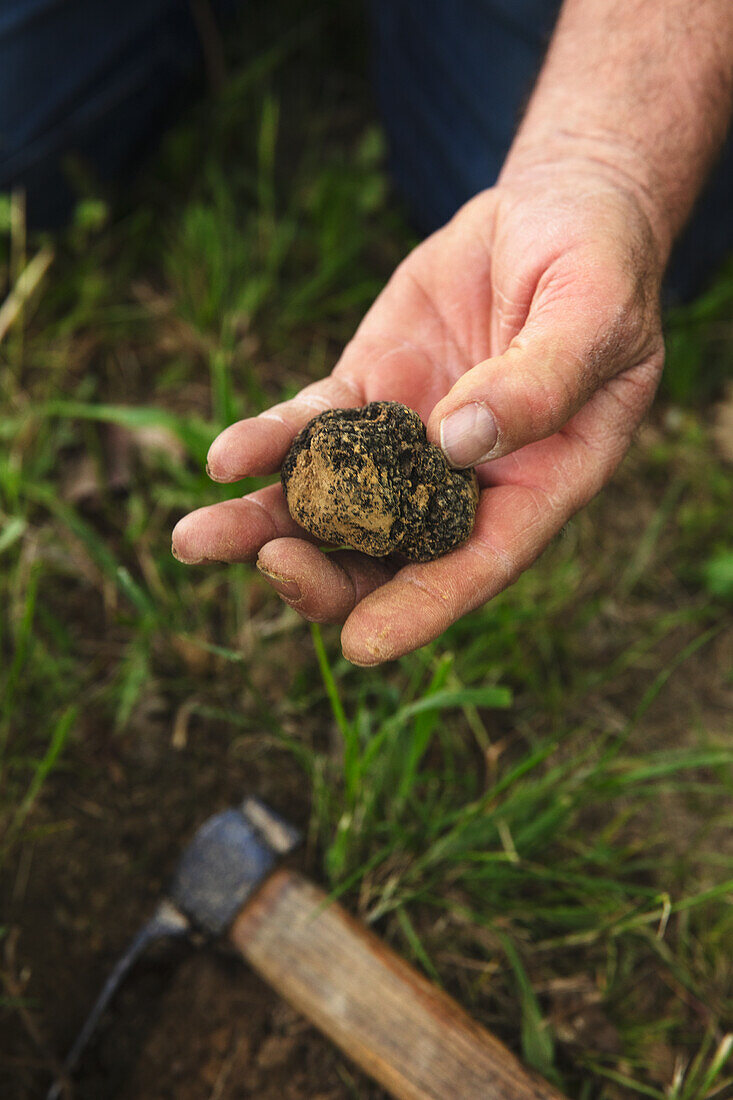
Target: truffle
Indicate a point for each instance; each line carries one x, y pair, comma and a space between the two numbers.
369, 478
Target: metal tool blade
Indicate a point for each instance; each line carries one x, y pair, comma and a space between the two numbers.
166, 923
231, 854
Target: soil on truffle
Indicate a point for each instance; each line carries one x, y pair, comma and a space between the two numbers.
368, 477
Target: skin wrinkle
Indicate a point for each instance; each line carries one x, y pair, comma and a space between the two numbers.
486, 236
362, 589
553, 285
350, 587
634, 414
601, 467
434, 309
438, 367
543, 399
424, 353
511, 314
531, 286
351, 387
305, 611
439, 598
360, 586
283, 578
626, 380
553, 504
476, 322
319, 404
479, 545
333, 385
610, 68
572, 434
396, 346
263, 510
349, 582
636, 188
566, 251
268, 414
311, 400
503, 333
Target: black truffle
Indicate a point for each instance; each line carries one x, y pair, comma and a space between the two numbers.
369, 478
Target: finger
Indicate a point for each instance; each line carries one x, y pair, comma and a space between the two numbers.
581, 458
259, 444
514, 522
569, 346
234, 530
422, 600
324, 588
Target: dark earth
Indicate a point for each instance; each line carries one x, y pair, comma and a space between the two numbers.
199, 1025
113, 819
190, 1024
368, 477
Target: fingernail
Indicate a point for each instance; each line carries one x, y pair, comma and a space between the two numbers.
284, 587
468, 436
183, 559
212, 475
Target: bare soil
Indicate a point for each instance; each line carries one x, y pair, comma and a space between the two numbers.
198, 1025
190, 1024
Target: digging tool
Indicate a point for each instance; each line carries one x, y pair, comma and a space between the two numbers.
408, 1035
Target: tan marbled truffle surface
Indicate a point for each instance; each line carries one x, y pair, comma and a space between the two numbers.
369, 478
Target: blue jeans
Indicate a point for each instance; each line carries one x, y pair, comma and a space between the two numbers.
98, 78
452, 79
94, 78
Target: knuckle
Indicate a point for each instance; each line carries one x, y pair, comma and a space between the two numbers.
496, 559
548, 394
634, 389
433, 595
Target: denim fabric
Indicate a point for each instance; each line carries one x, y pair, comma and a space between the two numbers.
97, 78
90, 77
452, 78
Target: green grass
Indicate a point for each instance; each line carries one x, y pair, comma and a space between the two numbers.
534, 808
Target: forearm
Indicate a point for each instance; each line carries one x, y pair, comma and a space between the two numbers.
641, 88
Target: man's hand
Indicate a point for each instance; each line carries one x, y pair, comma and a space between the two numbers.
526, 334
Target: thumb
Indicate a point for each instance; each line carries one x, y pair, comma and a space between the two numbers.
562, 355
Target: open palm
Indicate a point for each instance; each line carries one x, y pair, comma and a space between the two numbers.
536, 307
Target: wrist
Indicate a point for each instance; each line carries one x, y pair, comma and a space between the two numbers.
583, 162
639, 92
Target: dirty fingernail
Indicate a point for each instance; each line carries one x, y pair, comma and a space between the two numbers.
289, 590
468, 435
362, 661
214, 477
183, 558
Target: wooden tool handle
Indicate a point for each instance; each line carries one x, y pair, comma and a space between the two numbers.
404, 1032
